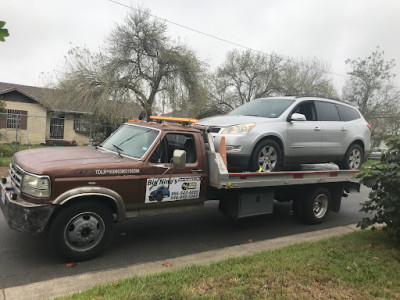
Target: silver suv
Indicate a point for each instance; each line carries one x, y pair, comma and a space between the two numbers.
267, 133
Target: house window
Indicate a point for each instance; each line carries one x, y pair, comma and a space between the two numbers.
13, 118
81, 125
16, 119
57, 128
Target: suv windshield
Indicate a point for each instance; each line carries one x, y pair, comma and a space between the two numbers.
131, 140
267, 108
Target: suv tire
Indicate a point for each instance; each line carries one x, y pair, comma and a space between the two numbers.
353, 159
267, 155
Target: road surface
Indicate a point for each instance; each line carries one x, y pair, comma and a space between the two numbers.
26, 258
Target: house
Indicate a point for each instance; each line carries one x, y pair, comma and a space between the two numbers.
27, 120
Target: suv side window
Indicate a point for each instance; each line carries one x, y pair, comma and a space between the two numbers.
327, 111
348, 113
171, 142
307, 109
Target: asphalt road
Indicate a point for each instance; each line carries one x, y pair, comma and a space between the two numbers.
26, 258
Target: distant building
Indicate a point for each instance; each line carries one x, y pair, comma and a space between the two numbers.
27, 121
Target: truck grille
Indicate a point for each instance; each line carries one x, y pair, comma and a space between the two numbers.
16, 174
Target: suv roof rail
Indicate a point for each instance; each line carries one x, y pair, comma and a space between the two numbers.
316, 96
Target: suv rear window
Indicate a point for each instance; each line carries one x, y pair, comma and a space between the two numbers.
348, 113
327, 111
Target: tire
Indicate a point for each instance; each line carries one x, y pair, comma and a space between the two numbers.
314, 208
81, 231
297, 207
353, 158
267, 155
159, 196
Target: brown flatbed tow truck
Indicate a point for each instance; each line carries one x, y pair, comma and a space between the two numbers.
149, 168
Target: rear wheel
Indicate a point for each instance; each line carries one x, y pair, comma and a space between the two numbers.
314, 207
82, 230
353, 158
267, 157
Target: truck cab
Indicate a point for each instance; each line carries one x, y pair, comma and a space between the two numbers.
78, 193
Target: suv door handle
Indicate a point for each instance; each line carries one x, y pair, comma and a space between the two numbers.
196, 170
343, 129
317, 129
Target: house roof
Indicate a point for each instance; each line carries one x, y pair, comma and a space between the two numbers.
123, 109
32, 92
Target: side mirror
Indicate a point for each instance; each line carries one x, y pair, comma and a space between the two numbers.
297, 117
179, 159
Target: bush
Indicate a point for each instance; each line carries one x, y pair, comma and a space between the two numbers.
384, 199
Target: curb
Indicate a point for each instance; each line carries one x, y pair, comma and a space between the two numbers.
76, 283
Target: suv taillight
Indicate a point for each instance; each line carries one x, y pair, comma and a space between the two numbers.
369, 127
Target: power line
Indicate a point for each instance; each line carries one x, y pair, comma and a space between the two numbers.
207, 34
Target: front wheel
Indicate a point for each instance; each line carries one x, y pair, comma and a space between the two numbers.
266, 157
82, 230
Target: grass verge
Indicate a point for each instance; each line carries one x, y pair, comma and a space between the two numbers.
360, 265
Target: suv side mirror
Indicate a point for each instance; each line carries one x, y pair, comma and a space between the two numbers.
179, 159
297, 117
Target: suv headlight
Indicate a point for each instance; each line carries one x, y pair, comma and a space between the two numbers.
36, 186
239, 128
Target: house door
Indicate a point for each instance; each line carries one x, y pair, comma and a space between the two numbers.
57, 128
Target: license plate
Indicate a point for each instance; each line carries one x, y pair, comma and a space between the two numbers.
3, 196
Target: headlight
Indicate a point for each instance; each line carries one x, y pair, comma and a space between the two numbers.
36, 186
239, 128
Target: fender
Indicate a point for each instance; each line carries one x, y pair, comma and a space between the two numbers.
94, 191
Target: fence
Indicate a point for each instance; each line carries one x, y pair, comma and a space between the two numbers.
18, 128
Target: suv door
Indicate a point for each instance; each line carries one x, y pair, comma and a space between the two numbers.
303, 137
333, 129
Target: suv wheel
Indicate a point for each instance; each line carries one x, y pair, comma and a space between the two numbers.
267, 155
353, 158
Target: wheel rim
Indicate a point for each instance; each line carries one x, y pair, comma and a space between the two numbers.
84, 231
355, 159
267, 158
320, 206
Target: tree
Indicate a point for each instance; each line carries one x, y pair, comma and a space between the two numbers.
140, 63
245, 76
370, 88
3, 31
306, 77
384, 198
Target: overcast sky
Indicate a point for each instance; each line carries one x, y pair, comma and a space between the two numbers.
42, 31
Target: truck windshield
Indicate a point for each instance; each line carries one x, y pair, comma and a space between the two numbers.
131, 140
267, 108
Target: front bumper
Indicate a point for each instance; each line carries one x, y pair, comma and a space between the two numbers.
22, 215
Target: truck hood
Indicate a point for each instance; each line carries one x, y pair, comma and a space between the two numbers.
67, 160
228, 120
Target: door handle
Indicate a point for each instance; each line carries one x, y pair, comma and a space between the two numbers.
196, 170
343, 129
317, 129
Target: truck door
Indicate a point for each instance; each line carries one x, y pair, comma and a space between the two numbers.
171, 189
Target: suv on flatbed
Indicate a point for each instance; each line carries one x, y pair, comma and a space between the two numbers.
270, 132
146, 168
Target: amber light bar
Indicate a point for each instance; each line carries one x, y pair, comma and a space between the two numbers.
173, 119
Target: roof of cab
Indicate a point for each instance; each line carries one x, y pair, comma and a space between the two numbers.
165, 126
